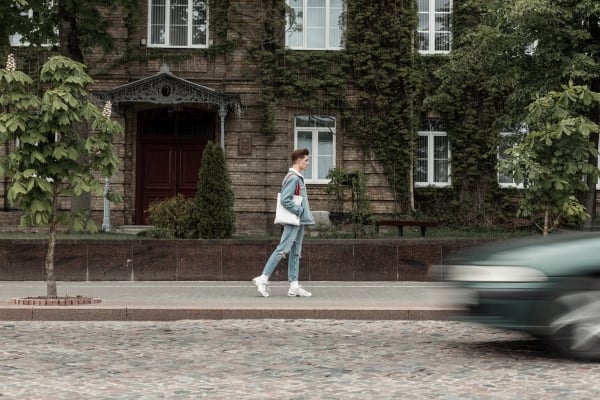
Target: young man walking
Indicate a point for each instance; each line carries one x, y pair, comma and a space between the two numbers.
290, 244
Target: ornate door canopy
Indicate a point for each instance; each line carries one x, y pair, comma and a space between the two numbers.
166, 88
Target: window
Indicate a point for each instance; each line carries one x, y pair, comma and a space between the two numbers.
433, 156
314, 24
17, 40
434, 26
598, 165
177, 23
317, 134
507, 140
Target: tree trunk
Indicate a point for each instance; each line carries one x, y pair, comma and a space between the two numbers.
50, 278
590, 196
68, 34
546, 221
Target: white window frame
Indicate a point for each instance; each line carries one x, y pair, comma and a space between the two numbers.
314, 156
167, 27
328, 26
430, 135
431, 31
511, 185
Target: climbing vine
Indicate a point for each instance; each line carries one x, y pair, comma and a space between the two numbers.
373, 82
383, 63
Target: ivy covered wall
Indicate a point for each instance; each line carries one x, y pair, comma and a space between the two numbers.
376, 86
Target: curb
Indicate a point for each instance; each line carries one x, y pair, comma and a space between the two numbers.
86, 313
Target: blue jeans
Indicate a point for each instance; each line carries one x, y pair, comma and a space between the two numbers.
290, 245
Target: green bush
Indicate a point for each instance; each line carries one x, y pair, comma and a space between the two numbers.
213, 213
171, 218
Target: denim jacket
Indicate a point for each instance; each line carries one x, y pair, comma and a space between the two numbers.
288, 190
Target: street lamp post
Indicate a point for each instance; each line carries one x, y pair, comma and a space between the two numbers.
106, 220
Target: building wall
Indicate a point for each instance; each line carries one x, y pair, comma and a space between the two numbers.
256, 161
256, 170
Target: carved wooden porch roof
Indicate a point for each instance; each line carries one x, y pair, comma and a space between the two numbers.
166, 88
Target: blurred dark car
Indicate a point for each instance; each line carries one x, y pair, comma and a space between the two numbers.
548, 287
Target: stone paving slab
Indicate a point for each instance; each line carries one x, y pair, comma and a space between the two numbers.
283, 359
169, 301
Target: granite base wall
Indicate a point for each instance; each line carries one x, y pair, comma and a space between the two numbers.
227, 260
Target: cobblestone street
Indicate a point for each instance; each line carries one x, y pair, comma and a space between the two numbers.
282, 359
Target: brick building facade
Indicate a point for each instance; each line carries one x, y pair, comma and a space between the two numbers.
191, 96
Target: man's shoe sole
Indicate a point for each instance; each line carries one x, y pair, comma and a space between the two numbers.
298, 295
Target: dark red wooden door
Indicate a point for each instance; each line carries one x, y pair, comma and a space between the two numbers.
169, 162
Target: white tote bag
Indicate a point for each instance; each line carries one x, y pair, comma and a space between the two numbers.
283, 215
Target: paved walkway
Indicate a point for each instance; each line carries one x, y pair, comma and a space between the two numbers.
282, 359
167, 301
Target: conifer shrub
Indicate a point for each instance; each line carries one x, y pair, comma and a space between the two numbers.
213, 213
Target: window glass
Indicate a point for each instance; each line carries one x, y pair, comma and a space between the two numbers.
433, 155
314, 24
199, 19
440, 162
178, 23
422, 147
157, 22
598, 165
434, 27
507, 140
325, 153
317, 134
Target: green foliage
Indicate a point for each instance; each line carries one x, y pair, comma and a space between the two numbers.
61, 140
213, 211
339, 184
382, 60
350, 186
373, 83
504, 54
171, 218
77, 26
554, 156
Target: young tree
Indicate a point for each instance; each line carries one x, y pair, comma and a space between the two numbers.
213, 212
504, 54
553, 157
51, 159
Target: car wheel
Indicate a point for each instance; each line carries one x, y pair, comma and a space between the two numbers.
575, 326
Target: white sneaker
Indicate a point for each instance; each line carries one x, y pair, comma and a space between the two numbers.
262, 286
299, 292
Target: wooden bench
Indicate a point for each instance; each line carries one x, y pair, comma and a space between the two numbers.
402, 223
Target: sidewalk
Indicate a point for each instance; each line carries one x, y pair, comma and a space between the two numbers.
176, 300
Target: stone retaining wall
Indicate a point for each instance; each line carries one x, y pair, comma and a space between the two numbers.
227, 260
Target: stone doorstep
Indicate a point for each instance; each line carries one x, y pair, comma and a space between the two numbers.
60, 301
